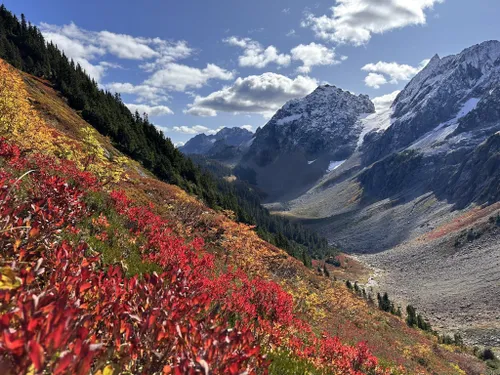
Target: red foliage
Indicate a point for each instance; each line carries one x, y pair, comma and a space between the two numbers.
64, 312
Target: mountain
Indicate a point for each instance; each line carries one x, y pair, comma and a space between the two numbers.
305, 138
226, 145
442, 118
420, 193
439, 97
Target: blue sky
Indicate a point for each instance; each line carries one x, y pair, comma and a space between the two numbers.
196, 66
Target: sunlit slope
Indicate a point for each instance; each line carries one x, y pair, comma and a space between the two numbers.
34, 118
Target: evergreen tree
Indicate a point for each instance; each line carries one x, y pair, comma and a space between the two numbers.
411, 316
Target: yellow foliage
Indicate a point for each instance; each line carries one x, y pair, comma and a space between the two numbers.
8, 279
458, 369
306, 301
21, 123
17, 118
108, 370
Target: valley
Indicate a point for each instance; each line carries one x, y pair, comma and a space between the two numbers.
411, 212
157, 227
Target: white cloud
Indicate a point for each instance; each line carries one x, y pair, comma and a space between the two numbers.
313, 54
214, 131
84, 46
145, 93
255, 55
355, 21
179, 144
382, 73
201, 112
291, 33
169, 52
375, 80
247, 127
157, 110
385, 101
126, 46
179, 77
286, 11
263, 94
191, 130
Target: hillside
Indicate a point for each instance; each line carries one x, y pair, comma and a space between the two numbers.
23, 46
106, 269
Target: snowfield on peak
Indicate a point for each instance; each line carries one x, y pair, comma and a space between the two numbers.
427, 143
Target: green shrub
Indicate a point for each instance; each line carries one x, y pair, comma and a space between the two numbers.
285, 363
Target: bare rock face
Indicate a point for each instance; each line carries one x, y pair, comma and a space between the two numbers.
311, 133
447, 118
445, 90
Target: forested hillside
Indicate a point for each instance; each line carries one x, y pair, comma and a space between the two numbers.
23, 46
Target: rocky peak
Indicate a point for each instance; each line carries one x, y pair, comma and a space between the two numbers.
438, 94
202, 144
323, 121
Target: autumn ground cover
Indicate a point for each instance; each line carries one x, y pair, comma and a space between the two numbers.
106, 270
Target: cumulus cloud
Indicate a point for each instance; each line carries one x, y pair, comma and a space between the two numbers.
255, 55
178, 77
179, 144
263, 94
84, 47
169, 52
355, 21
191, 130
247, 127
126, 46
145, 93
384, 101
382, 73
200, 112
157, 110
313, 54
375, 80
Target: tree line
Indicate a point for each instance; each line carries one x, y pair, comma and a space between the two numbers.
24, 47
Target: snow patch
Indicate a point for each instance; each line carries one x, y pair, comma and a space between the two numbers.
469, 106
443, 130
312, 161
289, 119
380, 120
334, 165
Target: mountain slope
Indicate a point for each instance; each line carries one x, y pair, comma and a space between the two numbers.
23, 45
81, 243
305, 138
433, 165
202, 143
227, 145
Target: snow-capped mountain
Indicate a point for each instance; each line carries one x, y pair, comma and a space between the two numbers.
226, 140
310, 135
435, 101
326, 121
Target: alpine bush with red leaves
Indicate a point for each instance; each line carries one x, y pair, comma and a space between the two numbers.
64, 311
